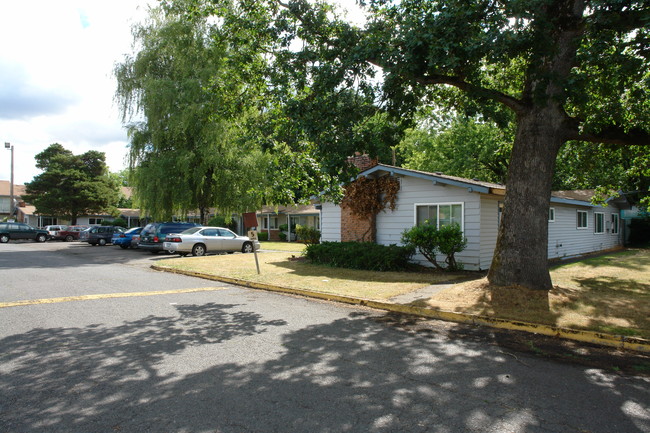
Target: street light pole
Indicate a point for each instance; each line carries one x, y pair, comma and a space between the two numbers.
11, 190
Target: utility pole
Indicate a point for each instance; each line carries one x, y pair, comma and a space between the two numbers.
11, 190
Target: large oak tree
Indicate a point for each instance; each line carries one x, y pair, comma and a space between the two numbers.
564, 69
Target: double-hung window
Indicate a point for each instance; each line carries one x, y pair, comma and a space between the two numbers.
441, 214
582, 219
615, 224
269, 222
599, 222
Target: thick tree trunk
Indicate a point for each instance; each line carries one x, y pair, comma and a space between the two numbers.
521, 254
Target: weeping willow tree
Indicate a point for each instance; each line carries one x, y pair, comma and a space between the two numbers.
185, 95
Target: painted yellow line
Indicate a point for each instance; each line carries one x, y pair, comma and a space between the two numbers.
105, 296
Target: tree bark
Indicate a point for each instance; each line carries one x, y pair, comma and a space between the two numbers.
521, 254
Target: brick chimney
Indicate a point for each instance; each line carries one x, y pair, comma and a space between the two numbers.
362, 161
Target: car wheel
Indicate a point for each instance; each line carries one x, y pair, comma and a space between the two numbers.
69, 238
102, 242
247, 247
198, 250
4, 239
41, 238
124, 246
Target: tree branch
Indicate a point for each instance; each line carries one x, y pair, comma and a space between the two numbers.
513, 103
610, 135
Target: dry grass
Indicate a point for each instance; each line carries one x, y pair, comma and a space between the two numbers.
610, 294
282, 246
283, 270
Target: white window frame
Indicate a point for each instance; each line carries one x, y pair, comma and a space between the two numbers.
266, 222
578, 220
602, 223
462, 212
551, 214
615, 223
95, 221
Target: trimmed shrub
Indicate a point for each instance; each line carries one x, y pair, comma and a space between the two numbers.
429, 241
308, 235
119, 222
360, 255
263, 236
221, 221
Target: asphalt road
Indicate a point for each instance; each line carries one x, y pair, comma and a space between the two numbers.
144, 351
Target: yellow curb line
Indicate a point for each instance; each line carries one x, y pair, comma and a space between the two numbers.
617, 341
104, 296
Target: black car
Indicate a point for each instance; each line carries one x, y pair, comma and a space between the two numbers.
99, 235
153, 235
21, 231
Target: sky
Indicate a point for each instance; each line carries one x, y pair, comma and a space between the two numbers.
56, 82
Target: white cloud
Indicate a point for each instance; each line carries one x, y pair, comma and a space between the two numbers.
56, 83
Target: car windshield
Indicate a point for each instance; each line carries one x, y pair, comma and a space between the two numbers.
191, 231
133, 230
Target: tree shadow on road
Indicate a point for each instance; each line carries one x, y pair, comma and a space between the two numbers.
353, 374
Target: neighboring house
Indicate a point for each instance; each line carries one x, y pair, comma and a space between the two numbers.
5, 197
271, 218
575, 225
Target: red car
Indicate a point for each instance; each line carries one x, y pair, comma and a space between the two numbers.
71, 233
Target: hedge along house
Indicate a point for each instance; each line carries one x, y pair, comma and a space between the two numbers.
270, 219
575, 225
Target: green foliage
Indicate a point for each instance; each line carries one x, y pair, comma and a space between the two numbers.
222, 221
360, 255
463, 147
563, 70
588, 166
263, 236
72, 185
195, 95
308, 235
119, 222
430, 241
283, 236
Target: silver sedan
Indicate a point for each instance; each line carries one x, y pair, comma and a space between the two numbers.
199, 241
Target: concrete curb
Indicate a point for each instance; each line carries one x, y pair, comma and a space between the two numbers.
617, 341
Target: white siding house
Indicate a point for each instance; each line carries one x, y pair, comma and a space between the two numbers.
575, 225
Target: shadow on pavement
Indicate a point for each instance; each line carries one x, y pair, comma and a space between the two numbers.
351, 375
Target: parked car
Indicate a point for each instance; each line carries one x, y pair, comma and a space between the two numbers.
135, 240
71, 233
53, 231
153, 235
199, 241
123, 239
99, 235
21, 231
